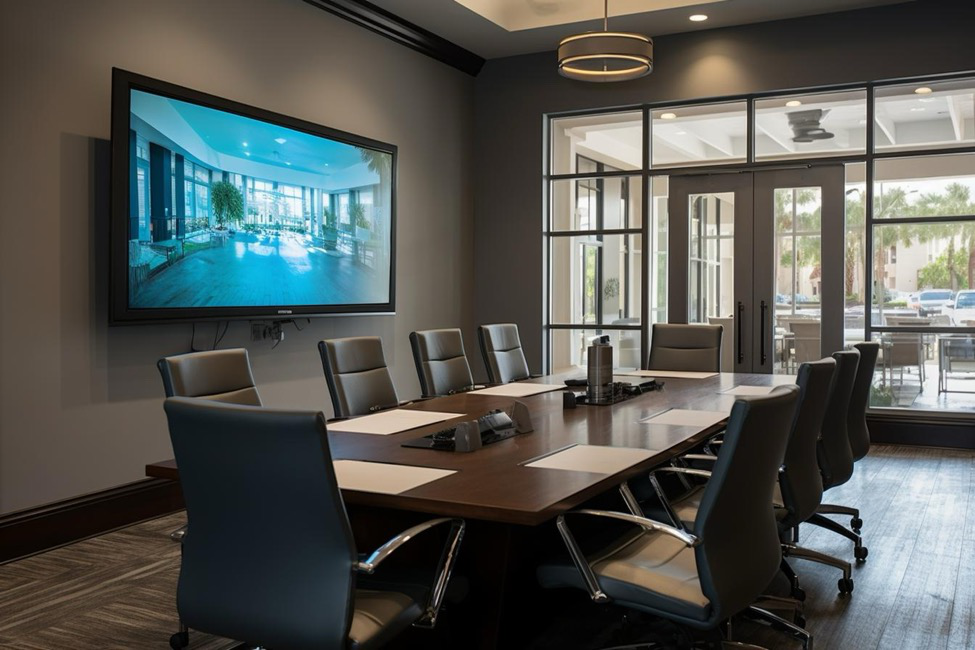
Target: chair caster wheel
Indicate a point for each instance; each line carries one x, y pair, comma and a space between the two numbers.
856, 524
179, 640
845, 585
860, 553
799, 594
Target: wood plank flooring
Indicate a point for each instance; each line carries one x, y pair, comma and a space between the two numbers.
916, 590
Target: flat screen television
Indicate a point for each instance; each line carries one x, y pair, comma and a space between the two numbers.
225, 211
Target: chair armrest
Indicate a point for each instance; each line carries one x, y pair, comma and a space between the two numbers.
448, 558
579, 558
710, 458
681, 471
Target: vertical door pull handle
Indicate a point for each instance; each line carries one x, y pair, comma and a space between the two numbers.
762, 327
738, 328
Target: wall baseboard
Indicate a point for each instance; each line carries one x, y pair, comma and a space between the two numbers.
954, 433
31, 531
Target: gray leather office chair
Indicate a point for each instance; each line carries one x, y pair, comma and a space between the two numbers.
358, 378
219, 375
695, 348
502, 353
292, 583
856, 425
700, 579
441, 363
834, 452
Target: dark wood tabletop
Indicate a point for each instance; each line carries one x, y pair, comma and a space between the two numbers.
493, 483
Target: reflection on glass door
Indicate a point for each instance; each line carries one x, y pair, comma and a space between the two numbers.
798, 276
711, 270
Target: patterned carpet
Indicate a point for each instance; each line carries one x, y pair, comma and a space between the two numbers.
113, 591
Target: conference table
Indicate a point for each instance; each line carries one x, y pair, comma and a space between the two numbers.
507, 502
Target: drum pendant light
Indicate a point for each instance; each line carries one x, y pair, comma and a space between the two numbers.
605, 55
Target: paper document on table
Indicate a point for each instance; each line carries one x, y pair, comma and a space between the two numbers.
668, 374
517, 389
748, 390
393, 421
383, 477
687, 418
593, 458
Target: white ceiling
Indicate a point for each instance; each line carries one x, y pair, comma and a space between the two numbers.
459, 24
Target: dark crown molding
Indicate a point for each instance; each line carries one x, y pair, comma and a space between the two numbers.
373, 18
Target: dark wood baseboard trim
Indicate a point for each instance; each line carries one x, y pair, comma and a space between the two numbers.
927, 432
31, 531
398, 30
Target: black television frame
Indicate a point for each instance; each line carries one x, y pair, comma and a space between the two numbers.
120, 312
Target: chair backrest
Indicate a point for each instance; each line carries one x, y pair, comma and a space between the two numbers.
807, 333
358, 379
739, 552
268, 557
441, 363
835, 456
727, 336
860, 399
800, 481
695, 348
502, 353
218, 375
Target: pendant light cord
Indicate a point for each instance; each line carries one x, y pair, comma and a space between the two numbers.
605, 15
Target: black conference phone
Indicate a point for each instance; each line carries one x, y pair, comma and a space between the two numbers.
491, 427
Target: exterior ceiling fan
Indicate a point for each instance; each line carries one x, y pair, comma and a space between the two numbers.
807, 125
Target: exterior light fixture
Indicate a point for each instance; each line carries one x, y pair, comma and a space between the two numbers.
668, 116
698, 18
923, 90
793, 103
605, 55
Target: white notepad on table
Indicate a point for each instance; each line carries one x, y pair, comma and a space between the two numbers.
667, 374
687, 418
393, 421
517, 389
749, 390
384, 478
593, 458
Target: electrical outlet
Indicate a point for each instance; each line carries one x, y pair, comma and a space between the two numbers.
257, 331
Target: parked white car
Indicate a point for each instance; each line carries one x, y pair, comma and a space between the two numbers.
962, 309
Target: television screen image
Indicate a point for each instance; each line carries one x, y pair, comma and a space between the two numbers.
231, 214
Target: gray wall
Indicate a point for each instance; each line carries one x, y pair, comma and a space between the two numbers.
513, 94
80, 403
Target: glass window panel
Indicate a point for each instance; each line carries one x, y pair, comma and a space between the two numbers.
659, 269
919, 270
810, 126
597, 203
596, 279
569, 347
854, 254
699, 135
924, 186
202, 174
924, 115
614, 139
711, 239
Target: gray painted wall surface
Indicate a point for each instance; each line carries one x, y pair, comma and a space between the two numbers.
513, 94
81, 403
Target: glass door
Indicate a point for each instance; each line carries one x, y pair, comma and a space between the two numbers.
748, 251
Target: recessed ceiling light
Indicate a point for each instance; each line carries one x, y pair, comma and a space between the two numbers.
244, 143
280, 140
698, 18
668, 116
923, 90
682, 133
288, 164
247, 153
793, 103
